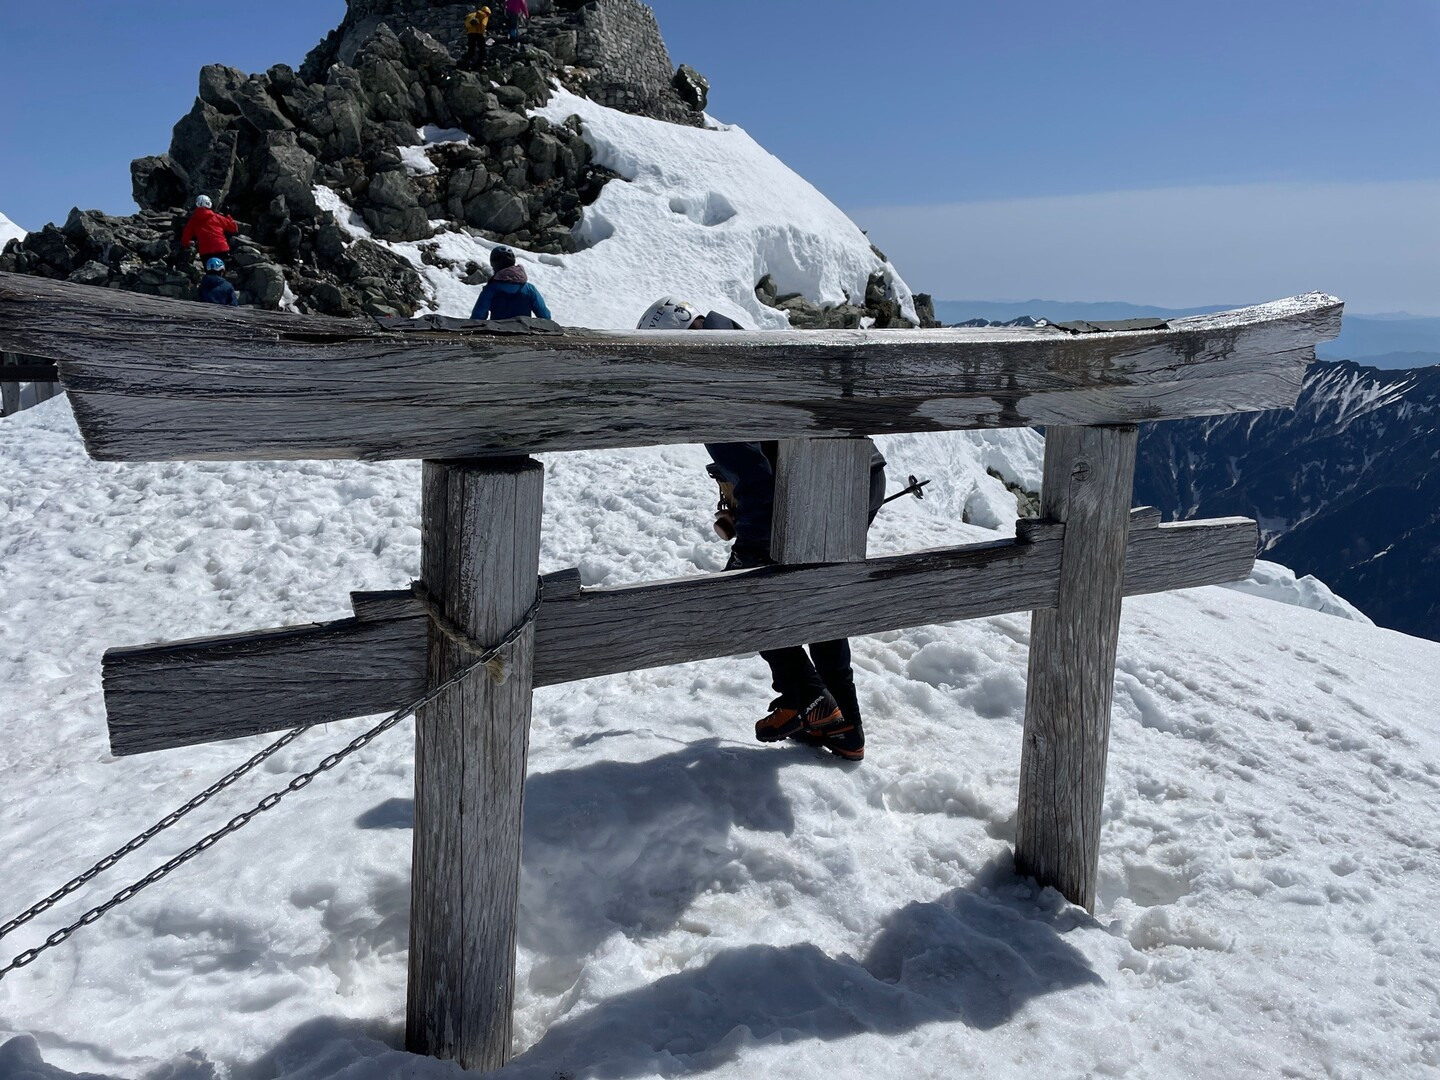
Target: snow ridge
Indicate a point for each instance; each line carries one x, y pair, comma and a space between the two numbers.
10, 231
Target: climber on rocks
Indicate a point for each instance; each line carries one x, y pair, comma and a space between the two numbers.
208, 231
214, 288
477, 25
509, 294
515, 10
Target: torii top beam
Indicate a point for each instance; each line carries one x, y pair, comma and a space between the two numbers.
165, 380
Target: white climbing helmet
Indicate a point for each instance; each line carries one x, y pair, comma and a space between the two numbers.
203, 202
669, 314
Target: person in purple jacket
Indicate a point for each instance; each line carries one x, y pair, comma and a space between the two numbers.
509, 294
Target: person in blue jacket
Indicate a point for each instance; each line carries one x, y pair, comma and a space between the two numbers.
214, 289
509, 294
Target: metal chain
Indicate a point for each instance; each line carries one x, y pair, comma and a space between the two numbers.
270, 801
149, 834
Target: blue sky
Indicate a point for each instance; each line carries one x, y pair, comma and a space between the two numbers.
1159, 153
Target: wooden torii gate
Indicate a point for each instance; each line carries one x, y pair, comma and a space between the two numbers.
162, 380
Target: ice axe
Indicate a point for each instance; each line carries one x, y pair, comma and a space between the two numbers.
916, 488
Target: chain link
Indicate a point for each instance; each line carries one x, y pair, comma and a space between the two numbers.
149, 834
238, 822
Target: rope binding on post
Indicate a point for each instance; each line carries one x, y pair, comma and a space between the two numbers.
456, 635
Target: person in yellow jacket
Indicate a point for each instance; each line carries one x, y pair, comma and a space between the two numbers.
477, 24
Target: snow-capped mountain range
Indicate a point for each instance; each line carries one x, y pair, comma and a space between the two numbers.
1346, 486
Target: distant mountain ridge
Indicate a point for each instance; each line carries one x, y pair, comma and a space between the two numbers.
1384, 341
1345, 486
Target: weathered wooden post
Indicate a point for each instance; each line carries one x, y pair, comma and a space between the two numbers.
1088, 480
822, 498
9, 396
481, 555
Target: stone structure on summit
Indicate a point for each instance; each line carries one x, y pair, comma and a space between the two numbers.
381, 114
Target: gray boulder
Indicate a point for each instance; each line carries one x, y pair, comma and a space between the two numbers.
693, 88
468, 98
92, 273
497, 211
392, 208
288, 170
423, 52
194, 135
157, 183
258, 108
499, 125
218, 85
265, 282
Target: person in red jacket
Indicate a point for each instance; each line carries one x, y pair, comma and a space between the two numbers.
208, 231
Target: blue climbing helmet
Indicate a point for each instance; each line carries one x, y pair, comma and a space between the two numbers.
214, 265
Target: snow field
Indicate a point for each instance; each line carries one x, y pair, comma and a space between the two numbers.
693, 901
10, 231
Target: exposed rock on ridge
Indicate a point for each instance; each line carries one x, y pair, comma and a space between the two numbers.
381, 115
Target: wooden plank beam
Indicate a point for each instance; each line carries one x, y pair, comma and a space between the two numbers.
179, 694
161, 380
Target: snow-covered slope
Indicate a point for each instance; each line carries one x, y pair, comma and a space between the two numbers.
701, 214
9, 231
693, 902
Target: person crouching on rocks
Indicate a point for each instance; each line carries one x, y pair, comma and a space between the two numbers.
477, 25
208, 231
817, 704
509, 294
214, 289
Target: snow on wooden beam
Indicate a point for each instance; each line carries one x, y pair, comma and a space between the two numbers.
165, 696
153, 379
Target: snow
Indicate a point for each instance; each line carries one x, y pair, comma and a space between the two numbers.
1276, 582
694, 902
10, 231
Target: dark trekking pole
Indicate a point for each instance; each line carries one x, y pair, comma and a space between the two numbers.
916, 488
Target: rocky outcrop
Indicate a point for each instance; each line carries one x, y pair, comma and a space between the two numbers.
259, 145
382, 119
881, 308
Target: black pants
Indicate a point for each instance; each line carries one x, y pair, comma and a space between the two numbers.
798, 677
475, 52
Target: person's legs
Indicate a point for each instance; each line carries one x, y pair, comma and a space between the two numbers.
832, 665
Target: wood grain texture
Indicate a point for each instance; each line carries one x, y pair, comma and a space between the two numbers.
1088, 478
154, 379
9, 398
480, 552
822, 501
165, 696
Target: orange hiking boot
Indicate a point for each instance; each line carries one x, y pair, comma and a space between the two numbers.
821, 724
846, 741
